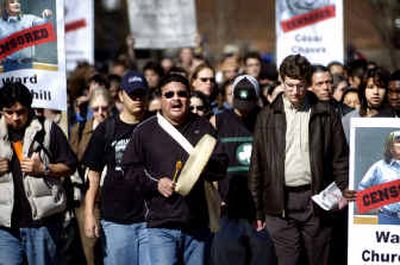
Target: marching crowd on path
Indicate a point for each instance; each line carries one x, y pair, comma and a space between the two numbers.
182, 161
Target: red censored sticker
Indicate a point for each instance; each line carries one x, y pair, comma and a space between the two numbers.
75, 25
378, 196
25, 38
312, 17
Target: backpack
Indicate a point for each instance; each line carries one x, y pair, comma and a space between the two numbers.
67, 184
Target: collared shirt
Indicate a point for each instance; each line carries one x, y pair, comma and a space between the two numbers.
379, 173
297, 158
11, 25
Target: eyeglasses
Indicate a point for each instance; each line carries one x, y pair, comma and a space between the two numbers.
181, 94
17, 112
205, 79
291, 86
102, 108
199, 108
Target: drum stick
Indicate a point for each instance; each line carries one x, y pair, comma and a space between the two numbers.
178, 167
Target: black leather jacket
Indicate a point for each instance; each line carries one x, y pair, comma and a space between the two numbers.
328, 154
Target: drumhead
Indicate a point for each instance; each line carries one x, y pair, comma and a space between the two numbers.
195, 164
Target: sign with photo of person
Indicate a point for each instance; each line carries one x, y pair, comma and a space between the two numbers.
162, 24
374, 219
32, 49
313, 29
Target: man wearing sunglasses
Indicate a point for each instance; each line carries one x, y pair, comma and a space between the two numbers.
34, 157
178, 225
122, 205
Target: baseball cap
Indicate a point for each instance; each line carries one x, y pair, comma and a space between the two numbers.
133, 82
245, 92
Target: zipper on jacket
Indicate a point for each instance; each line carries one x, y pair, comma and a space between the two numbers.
283, 213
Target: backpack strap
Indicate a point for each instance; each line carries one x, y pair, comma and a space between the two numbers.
42, 138
109, 133
81, 126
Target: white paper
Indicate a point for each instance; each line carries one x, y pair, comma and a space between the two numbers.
330, 198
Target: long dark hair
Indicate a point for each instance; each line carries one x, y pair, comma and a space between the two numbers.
380, 77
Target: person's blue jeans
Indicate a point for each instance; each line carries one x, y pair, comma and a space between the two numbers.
38, 245
172, 246
125, 243
237, 242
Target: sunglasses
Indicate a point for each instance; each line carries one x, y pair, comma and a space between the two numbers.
181, 94
138, 95
17, 112
205, 79
102, 108
199, 108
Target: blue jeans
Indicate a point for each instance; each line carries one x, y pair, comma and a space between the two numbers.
237, 242
38, 245
172, 246
125, 243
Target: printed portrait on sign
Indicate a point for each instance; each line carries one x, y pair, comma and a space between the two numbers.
376, 170
297, 7
290, 8
27, 34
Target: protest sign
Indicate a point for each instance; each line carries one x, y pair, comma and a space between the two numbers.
374, 220
162, 24
315, 30
32, 51
79, 32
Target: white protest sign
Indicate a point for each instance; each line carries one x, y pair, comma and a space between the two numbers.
32, 52
162, 24
374, 236
312, 28
79, 32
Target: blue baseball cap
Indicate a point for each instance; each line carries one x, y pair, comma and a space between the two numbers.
133, 82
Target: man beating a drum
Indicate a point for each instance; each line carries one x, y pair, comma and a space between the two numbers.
178, 213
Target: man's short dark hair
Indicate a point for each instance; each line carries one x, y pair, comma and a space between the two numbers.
297, 67
100, 79
252, 55
395, 76
12, 93
114, 78
154, 66
334, 63
174, 78
319, 68
178, 71
357, 68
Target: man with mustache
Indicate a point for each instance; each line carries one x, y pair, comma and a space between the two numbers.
177, 225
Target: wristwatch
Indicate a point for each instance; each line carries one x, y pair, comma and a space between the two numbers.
46, 170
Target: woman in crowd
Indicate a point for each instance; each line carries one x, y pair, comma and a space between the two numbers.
203, 80
199, 104
372, 94
100, 104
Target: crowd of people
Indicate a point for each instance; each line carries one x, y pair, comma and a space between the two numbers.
282, 137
